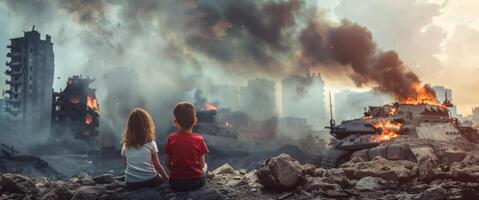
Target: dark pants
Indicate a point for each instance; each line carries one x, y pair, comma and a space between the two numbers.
184, 185
149, 183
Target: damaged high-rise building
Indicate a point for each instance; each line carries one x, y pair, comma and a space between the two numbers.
75, 112
30, 71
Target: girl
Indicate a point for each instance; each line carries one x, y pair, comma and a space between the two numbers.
140, 152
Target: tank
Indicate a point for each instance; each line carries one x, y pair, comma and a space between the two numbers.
380, 129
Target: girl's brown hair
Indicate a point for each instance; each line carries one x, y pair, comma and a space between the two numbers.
139, 129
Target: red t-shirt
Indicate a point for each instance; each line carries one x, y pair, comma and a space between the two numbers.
185, 150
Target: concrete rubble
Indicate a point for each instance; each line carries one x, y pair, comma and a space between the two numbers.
280, 177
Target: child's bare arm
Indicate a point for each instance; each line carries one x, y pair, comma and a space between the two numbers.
156, 163
202, 161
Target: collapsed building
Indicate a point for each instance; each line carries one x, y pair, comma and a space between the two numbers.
30, 69
75, 111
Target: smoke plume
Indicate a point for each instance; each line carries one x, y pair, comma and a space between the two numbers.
349, 48
177, 47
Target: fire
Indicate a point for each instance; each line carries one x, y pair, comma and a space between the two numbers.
424, 96
389, 130
91, 103
392, 111
88, 119
210, 106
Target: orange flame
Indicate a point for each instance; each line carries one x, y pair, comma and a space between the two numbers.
392, 111
389, 130
423, 96
91, 103
88, 119
209, 106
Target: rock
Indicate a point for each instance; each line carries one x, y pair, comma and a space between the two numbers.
319, 172
280, 173
394, 170
140, 194
317, 183
206, 194
337, 176
469, 194
104, 179
15, 183
115, 185
242, 171
119, 178
427, 169
418, 188
82, 179
369, 183
252, 179
58, 191
466, 174
86, 193
435, 193
308, 169
224, 169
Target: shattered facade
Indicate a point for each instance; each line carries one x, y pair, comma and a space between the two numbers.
75, 110
30, 71
300, 93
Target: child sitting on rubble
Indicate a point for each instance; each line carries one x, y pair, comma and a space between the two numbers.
140, 152
185, 151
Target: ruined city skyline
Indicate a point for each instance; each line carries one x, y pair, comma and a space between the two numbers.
91, 40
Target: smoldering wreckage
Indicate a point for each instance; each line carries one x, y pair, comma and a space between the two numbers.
410, 149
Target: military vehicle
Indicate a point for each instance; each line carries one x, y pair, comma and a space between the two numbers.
374, 133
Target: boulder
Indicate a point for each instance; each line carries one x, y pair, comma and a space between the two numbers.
319, 172
82, 179
317, 183
58, 191
337, 176
434, 193
466, 173
427, 169
224, 169
394, 170
280, 173
308, 169
369, 183
86, 193
15, 183
104, 179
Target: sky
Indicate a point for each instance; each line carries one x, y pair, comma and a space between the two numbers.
435, 39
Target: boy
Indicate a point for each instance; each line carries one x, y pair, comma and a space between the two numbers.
185, 151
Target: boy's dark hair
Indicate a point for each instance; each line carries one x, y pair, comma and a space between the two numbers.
185, 114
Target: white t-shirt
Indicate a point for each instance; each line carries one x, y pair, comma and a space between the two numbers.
139, 166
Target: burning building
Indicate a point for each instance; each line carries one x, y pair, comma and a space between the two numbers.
30, 69
76, 110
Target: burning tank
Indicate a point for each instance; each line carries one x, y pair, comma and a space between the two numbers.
75, 111
374, 133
